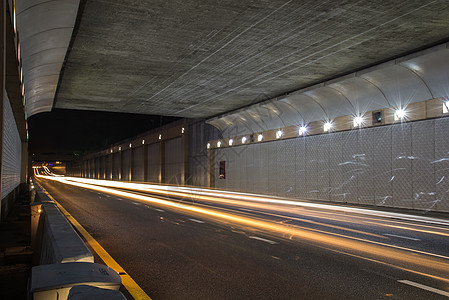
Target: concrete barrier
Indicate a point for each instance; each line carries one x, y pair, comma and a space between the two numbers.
65, 266
87, 292
55, 240
55, 281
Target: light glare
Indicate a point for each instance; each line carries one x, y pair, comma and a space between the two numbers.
231, 142
243, 139
399, 114
218, 144
327, 126
446, 107
259, 137
358, 121
279, 134
302, 130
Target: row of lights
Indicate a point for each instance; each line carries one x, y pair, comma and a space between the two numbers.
358, 121
143, 141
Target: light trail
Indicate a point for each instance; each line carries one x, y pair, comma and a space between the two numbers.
263, 203
257, 201
217, 195
420, 262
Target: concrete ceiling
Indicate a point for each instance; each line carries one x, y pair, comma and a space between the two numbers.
202, 58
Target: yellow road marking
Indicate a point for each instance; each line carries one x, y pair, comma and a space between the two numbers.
133, 288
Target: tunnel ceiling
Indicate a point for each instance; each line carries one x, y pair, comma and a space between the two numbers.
204, 58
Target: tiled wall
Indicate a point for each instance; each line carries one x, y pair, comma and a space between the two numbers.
402, 165
12, 151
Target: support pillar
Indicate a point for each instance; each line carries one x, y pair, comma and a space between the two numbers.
145, 162
185, 155
211, 168
161, 161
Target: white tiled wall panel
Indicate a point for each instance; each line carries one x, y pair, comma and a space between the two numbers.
12, 151
402, 165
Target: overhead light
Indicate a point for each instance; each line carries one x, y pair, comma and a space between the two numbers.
327, 126
143, 142
446, 107
160, 136
358, 121
302, 130
231, 142
208, 145
119, 148
279, 134
130, 145
111, 150
218, 144
182, 130
243, 139
259, 137
399, 114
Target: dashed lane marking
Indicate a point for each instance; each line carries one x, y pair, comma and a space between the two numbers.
425, 287
402, 237
197, 221
263, 240
133, 288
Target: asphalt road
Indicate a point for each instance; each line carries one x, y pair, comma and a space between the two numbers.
173, 253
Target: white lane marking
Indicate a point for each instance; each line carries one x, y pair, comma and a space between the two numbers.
246, 209
108, 196
425, 287
195, 220
161, 210
263, 240
402, 237
136, 203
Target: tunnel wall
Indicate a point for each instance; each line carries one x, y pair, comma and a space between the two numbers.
199, 134
402, 165
153, 163
138, 162
11, 157
173, 161
158, 156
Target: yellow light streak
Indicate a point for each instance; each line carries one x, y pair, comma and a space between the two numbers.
200, 193
401, 257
